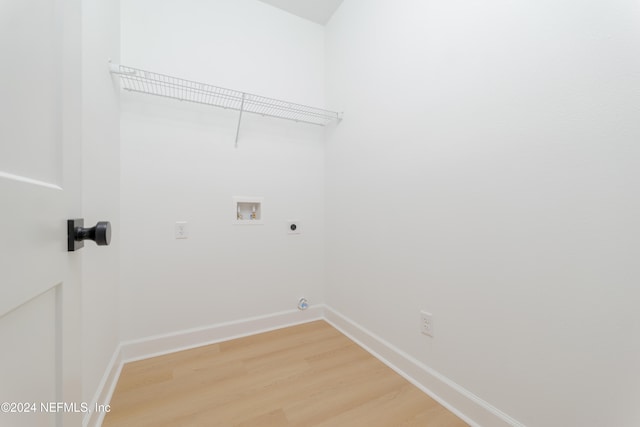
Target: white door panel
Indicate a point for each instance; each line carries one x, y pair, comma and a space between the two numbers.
29, 335
33, 247
30, 89
39, 291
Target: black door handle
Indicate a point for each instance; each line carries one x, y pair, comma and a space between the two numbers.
77, 234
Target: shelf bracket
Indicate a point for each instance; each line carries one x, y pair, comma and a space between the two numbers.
240, 118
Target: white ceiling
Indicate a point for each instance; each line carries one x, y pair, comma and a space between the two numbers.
314, 10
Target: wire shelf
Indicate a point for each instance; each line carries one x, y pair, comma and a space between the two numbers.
136, 80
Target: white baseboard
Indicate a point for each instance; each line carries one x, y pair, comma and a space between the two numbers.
470, 408
464, 404
105, 390
197, 337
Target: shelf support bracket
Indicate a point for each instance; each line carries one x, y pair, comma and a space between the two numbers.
240, 118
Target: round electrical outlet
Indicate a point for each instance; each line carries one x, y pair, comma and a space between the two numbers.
294, 227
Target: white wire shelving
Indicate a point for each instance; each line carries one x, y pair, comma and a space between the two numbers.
143, 81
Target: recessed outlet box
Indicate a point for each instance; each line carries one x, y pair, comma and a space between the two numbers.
294, 227
181, 230
248, 210
426, 323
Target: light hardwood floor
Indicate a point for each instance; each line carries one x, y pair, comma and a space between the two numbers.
306, 375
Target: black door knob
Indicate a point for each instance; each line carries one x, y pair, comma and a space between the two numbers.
77, 233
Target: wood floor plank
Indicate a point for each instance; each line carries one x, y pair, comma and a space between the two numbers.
272, 419
308, 375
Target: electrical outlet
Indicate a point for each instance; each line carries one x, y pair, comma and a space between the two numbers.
294, 227
426, 323
181, 230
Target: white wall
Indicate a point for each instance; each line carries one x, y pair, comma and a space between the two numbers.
487, 171
101, 189
179, 164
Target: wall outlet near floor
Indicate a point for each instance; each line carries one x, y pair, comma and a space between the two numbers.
426, 323
303, 304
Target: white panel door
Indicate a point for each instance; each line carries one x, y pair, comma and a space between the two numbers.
36, 53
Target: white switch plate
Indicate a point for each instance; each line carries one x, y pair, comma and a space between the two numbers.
426, 323
181, 230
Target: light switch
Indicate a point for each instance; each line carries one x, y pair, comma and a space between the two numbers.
181, 231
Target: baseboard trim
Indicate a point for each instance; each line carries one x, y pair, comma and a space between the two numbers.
197, 337
464, 404
105, 390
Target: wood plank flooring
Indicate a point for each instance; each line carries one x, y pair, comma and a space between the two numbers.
304, 376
